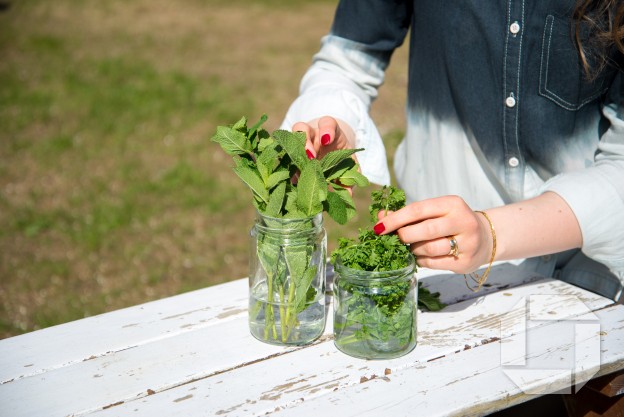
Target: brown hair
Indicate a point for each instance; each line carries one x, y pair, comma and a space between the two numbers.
599, 27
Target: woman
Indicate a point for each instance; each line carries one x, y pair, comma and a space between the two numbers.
515, 109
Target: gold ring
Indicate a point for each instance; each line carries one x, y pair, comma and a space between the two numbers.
454, 246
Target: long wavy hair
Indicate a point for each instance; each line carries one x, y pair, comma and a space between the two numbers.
598, 30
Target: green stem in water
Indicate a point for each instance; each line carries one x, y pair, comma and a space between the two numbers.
269, 313
283, 314
290, 308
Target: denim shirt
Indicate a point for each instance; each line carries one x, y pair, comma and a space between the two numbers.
498, 109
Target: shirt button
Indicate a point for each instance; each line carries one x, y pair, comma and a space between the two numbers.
514, 27
510, 101
513, 162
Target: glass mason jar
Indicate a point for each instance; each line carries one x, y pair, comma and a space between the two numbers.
287, 279
375, 312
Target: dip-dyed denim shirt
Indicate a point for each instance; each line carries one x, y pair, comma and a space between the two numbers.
498, 110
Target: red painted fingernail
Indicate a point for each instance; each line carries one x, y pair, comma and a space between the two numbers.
310, 154
379, 228
325, 139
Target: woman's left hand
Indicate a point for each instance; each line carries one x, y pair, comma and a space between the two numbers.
428, 227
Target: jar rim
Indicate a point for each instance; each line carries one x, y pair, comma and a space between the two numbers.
291, 227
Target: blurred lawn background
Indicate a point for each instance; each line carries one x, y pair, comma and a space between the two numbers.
111, 193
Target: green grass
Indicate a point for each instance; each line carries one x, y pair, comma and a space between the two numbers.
111, 193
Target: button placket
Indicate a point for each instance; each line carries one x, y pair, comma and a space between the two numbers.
514, 163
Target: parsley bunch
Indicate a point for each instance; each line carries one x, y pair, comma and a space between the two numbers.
374, 314
371, 252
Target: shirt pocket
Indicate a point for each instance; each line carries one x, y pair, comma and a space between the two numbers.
562, 78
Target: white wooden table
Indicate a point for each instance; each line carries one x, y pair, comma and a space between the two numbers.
192, 355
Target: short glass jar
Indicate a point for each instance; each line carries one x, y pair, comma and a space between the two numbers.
375, 312
287, 279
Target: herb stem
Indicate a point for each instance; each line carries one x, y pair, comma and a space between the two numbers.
290, 306
283, 314
270, 313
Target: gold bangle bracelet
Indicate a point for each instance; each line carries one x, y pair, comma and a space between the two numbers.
480, 280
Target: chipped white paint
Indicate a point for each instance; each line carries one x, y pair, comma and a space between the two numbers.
101, 335
192, 355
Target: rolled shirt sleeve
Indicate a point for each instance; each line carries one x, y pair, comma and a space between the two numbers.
596, 195
342, 82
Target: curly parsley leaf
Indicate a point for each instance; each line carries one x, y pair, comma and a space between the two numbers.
386, 199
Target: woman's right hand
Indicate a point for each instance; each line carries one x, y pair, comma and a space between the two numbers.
325, 134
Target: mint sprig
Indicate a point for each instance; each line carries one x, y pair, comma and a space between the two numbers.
285, 184
266, 163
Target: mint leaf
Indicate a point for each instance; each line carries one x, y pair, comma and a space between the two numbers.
251, 177
340, 204
337, 171
336, 208
267, 162
294, 145
297, 259
311, 188
291, 201
240, 125
428, 300
276, 200
334, 158
232, 141
353, 177
276, 178
264, 143
303, 288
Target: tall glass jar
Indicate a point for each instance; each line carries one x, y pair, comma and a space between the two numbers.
375, 312
287, 279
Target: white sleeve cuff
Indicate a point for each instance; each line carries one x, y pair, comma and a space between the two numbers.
346, 106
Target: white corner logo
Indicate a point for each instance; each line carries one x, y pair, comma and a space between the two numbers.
550, 343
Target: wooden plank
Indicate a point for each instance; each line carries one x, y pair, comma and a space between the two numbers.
164, 363
452, 287
37, 352
319, 380
58, 346
471, 383
167, 363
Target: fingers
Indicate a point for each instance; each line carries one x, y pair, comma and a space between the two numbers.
417, 214
443, 233
310, 134
328, 130
321, 135
433, 248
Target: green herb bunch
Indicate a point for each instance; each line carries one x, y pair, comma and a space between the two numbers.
374, 303
267, 163
288, 190
371, 252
